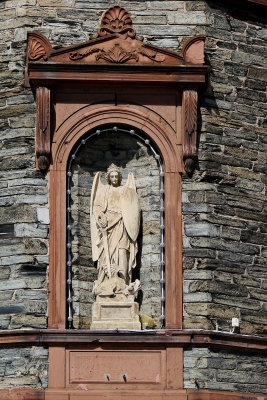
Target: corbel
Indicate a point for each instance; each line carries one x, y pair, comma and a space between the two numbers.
189, 130
43, 147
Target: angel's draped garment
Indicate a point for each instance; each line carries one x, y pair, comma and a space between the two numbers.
108, 201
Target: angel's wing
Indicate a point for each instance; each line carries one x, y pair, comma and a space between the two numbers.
97, 185
130, 208
130, 182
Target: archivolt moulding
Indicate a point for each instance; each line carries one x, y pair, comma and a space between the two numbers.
92, 117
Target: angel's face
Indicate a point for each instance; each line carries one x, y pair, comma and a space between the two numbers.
114, 178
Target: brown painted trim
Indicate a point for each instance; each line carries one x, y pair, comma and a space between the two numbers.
249, 5
179, 337
39, 73
262, 2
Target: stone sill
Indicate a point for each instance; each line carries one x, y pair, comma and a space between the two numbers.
169, 337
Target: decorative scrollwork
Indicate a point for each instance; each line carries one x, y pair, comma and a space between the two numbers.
117, 55
116, 20
154, 56
190, 130
79, 55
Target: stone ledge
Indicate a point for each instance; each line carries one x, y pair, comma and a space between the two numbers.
168, 337
22, 394
180, 394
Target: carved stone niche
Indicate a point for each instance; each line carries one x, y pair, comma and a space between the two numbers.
115, 78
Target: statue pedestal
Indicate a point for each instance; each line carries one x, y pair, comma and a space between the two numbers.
117, 312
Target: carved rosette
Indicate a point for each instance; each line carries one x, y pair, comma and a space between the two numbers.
190, 130
116, 20
43, 152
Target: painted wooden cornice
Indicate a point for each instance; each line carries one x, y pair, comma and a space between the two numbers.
178, 337
116, 46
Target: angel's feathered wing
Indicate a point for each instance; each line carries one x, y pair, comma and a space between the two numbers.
130, 208
97, 186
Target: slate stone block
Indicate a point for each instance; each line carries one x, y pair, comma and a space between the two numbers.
17, 213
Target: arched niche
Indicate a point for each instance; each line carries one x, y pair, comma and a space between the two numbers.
133, 153
164, 138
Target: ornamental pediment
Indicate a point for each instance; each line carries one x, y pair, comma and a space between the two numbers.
116, 42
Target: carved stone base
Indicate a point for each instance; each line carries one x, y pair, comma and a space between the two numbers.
115, 313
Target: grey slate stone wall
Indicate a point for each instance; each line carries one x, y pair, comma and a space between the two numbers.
224, 370
224, 203
23, 367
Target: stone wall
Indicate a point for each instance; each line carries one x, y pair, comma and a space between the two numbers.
224, 370
224, 203
23, 367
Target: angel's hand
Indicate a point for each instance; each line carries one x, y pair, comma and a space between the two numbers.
102, 220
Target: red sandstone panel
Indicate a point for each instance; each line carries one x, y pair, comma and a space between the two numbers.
56, 396
115, 367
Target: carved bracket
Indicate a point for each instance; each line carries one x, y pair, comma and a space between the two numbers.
190, 130
43, 148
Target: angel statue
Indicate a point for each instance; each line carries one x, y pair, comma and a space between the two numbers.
115, 221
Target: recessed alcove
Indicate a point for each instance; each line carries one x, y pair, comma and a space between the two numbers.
131, 154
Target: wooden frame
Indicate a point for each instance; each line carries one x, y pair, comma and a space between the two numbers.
65, 139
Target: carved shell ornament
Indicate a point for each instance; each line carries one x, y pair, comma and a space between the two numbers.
116, 20
39, 47
36, 50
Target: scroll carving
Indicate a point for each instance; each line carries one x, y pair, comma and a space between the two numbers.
79, 55
116, 20
190, 130
117, 55
152, 56
43, 152
39, 47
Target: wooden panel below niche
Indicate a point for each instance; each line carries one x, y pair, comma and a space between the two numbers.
115, 367
120, 367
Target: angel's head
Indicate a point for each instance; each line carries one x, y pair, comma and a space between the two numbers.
114, 176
